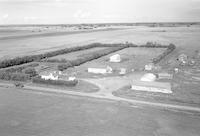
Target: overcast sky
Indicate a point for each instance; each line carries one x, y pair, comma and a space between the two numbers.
97, 11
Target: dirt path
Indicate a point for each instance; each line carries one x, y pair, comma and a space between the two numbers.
111, 84
106, 89
111, 97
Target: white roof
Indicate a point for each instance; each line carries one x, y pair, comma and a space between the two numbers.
149, 77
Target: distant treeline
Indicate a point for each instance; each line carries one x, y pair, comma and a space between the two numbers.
39, 80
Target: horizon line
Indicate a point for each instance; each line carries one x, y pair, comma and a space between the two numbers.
152, 22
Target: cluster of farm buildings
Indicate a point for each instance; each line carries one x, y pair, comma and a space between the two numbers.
147, 81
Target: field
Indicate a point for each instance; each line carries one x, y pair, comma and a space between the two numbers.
182, 37
114, 108
77, 54
43, 114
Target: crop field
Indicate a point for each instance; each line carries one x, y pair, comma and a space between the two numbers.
185, 38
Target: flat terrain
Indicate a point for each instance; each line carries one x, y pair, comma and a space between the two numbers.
77, 54
35, 113
181, 36
24, 113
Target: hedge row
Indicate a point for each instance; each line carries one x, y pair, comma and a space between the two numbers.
31, 58
19, 73
20, 68
39, 80
14, 76
169, 49
89, 57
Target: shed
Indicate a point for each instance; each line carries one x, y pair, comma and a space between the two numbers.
148, 77
151, 87
149, 67
100, 70
165, 76
115, 58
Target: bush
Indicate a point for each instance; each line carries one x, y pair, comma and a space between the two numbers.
14, 76
30, 71
55, 82
64, 66
18, 84
20, 68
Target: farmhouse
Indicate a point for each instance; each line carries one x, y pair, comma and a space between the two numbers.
149, 77
49, 76
151, 86
100, 70
115, 58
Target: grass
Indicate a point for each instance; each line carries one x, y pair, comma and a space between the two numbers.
131, 59
77, 54
82, 86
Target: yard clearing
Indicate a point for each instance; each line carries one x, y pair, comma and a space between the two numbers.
131, 60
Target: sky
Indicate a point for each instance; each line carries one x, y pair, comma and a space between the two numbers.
97, 11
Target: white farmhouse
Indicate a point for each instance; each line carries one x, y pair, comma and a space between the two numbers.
115, 58
50, 76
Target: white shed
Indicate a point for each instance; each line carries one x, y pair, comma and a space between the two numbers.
100, 70
151, 87
97, 70
115, 58
149, 77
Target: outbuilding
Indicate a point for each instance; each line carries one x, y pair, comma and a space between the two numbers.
149, 67
148, 77
115, 58
151, 87
106, 70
